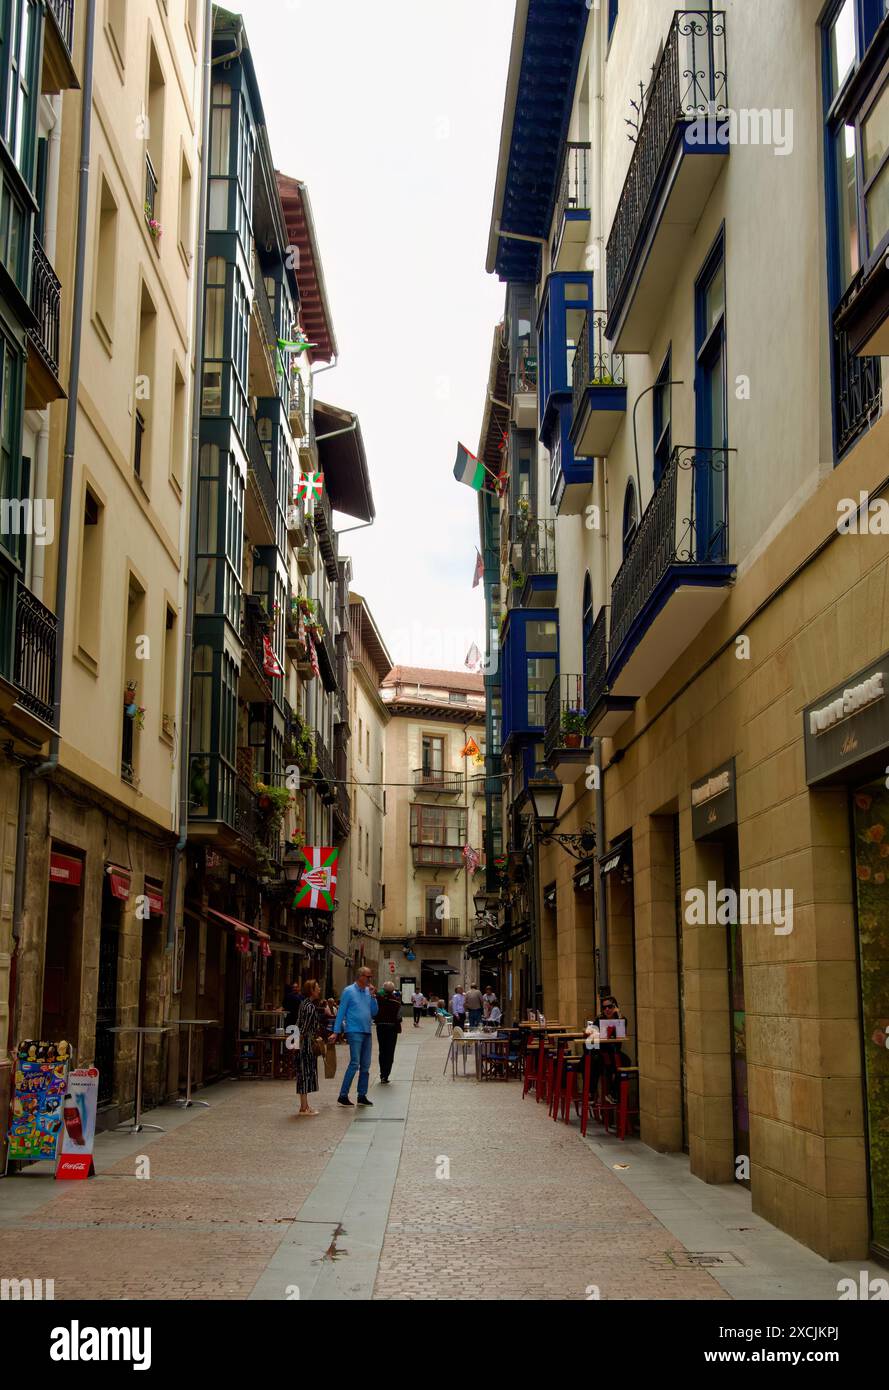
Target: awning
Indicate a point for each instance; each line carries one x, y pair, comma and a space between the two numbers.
63, 868
243, 927
335, 950
288, 948
155, 900
549, 897
616, 859
119, 880
343, 461
585, 877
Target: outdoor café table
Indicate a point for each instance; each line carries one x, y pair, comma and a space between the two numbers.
136, 1126
192, 1023
477, 1039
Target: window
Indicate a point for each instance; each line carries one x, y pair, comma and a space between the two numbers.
145, 387
154, 137
180, 415
220, 147
186, 184
168, 709
587, 621
90, 587
10, 437
541, 646
106, 262
710, 509
663, 431
433, 756
631, 517
612, 16
136, 671
21, 48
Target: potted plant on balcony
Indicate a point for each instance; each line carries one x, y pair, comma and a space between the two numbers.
573, 727
273, 802
154, 226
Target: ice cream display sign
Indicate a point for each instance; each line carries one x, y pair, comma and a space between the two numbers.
41, 1082
79, 1124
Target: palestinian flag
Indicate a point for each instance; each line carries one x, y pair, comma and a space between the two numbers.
468, 470
316, 889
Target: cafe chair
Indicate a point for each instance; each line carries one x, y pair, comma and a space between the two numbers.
627, 1077
535, 1061
515, 1051
457, 1046
493, 1059
444, 1021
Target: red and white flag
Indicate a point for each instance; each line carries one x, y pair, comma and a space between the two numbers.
270, 663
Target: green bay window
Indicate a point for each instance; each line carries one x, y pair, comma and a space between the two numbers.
213, 733
220, 538
226, 344
21, 21
232, 151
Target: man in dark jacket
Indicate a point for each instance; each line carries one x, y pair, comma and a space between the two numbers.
388, 1027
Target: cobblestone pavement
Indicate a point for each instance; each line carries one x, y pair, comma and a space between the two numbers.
446, 1190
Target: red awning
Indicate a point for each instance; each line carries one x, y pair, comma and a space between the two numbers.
65, 869
239, 926
155, 900
120, 881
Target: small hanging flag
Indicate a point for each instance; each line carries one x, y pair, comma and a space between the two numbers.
468, 470
270, 663
313, 656
473, 660
479, 569
296, 345
471, 859
470, 750
309, 485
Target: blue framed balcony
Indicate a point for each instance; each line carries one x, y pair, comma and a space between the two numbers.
571, 224
600, 394
570, 477
567, 300
566, 743
529, 664
538, 578
676, 572
679, 153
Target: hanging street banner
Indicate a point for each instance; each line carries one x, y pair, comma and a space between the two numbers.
79, 1124
317, 886
270, 663
41, 1083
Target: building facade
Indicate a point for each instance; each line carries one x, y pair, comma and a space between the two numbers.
705, 575
436, 811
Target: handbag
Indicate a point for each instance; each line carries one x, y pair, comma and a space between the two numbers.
319, 1046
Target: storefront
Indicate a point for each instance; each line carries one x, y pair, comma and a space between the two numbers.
846, 734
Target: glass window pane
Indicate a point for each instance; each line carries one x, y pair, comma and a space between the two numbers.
875, 134
715, 299
878, 209
842, 45
847, 199
541, 637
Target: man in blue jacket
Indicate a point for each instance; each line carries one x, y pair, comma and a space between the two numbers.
358, 1008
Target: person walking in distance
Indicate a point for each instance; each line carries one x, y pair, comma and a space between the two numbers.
458, 1007
419, 1002
358, 1008
474, 1005
388, 1028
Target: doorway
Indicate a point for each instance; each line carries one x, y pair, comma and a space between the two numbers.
680, 982
737, 1008
106, 997
62, 964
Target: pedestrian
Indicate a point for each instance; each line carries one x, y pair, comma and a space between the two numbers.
489, 999
291, 1002
458, 1007
474, 1005
311, 1042
358, 1008
419, 1002
388, 1028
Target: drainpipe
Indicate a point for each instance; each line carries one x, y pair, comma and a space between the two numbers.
601, 919
191, 581
86, 117
50, 228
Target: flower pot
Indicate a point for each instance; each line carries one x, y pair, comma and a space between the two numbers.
573, 740
264, 802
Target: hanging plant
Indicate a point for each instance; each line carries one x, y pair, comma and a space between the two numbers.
154, 226
273, 802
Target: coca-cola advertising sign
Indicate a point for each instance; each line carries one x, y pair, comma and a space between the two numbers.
79, 1124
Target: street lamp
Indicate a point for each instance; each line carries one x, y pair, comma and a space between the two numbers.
370, 918
481, 902
293, 865
545, 794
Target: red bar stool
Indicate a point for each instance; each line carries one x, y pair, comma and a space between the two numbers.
558, 1077
534, 1061
573, 1070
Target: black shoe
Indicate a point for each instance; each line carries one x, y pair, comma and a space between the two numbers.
343, 1100
384, 1081
363, 1100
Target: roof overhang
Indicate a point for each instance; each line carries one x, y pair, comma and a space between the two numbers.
547, 37
315, 315
343, 461
495, 420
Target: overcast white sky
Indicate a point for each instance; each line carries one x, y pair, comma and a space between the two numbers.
391, 114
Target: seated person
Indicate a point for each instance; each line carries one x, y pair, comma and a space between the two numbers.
612, 1058
495, 1016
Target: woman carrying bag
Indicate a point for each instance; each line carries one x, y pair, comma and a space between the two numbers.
311, 1045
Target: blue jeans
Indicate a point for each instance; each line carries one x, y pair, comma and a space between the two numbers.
359, 1060
475, 1017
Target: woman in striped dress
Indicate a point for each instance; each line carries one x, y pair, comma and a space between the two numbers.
309, 1024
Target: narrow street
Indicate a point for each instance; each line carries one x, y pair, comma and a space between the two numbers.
244, 1200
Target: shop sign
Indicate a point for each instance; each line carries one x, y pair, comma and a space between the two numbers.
714, 802
63, 868
119, 880
79, 1124
846, 731
155, 899
41, 1083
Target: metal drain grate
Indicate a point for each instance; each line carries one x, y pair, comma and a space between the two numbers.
694, 1259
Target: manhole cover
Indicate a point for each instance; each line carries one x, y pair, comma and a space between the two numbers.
694, 1259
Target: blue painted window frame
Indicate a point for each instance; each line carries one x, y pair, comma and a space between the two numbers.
553, 373
613, 7
630, 517
663, 430
516, 655
711, 351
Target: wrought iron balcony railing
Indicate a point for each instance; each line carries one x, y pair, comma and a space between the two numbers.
858, 389
150, 189
254, 627
685, 523
689, 84
595, 662
438, 926
436, 780
594, 362
261, 468
539, 548
264, 309
63, 13
565, 715
326, 774
326, 653
574, 182
36, 642
46, 300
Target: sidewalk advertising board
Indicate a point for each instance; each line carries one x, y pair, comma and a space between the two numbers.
40, 1084
79, 1124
